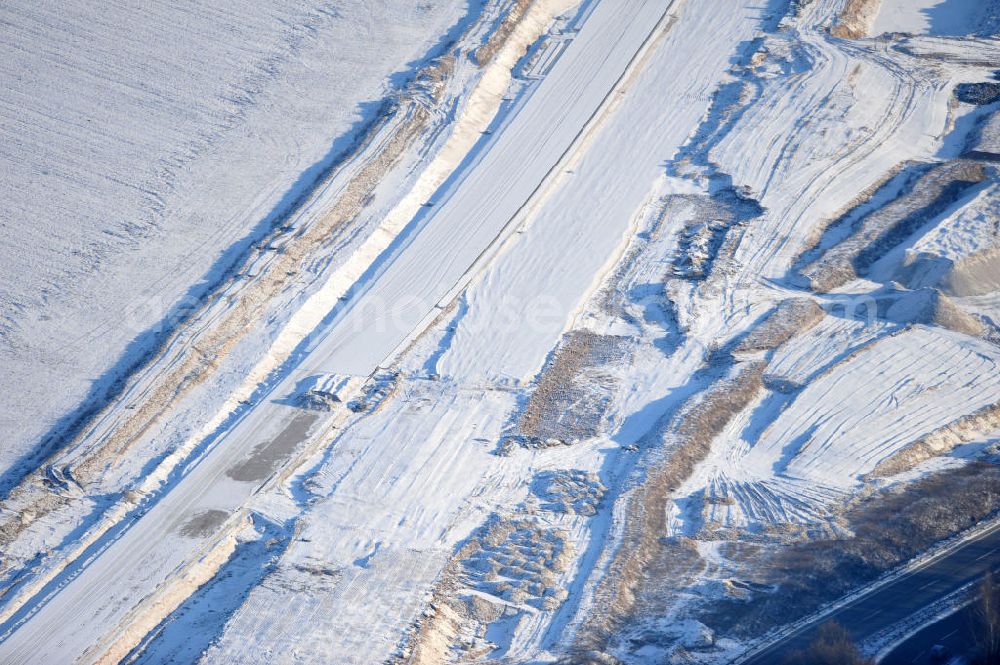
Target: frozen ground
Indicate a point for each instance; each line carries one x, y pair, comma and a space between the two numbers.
609, 299
145, 148
931, 17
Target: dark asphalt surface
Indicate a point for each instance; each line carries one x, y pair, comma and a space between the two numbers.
900, 598
954, 632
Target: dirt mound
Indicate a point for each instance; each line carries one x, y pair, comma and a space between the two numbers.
974, 276
856, 19
791, 317
884, 229
940, 441
931, 307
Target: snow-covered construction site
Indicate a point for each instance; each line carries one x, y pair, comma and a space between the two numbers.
516, 331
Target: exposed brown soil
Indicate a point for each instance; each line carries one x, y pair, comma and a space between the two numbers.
515, 13
856, 18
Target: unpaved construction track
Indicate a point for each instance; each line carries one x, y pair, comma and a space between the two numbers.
417, 272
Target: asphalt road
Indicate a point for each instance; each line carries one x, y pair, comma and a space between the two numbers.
954, 632
900, 598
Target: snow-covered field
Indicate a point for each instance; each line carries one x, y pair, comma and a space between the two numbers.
145, 148
447, 332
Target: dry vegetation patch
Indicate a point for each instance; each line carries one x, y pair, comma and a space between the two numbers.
515, 13
791, 317
571, 395
881, 531
679, 445
883, 229
856, 19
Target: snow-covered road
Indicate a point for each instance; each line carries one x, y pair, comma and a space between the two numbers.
430, 260
537, 379
390, 304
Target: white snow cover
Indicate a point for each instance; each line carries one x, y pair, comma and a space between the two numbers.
915, 382
531, 293
973, 228
932, 17
356, 343
807, 356
144, 144
632, 127
387, 538
469, 218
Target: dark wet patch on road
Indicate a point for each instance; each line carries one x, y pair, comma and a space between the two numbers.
204, 523
268, 457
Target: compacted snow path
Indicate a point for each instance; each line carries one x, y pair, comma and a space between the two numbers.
431, 260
